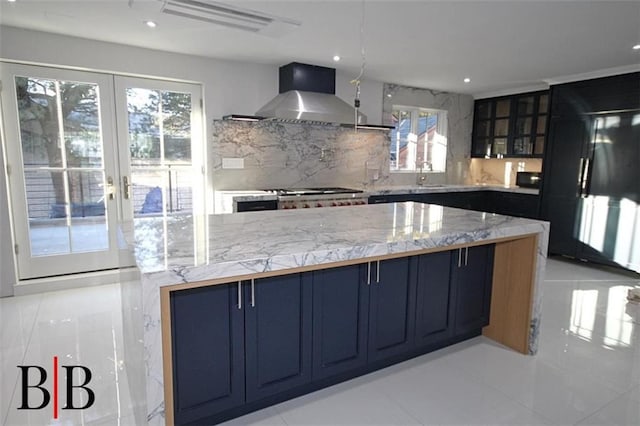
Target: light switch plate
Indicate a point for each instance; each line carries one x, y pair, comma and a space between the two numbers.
233, 163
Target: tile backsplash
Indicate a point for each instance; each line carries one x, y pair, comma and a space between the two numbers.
296, 155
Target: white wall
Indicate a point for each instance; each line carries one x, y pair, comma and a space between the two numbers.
229, 86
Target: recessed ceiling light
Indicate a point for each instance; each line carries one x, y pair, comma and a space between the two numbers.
636, 47
336, 58
11, 1
467, 80
389, 95
150, 24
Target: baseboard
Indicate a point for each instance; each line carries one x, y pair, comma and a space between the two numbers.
71, 281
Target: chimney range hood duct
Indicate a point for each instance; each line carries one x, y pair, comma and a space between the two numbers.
307, 93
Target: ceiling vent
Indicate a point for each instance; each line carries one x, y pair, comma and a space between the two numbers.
230, 16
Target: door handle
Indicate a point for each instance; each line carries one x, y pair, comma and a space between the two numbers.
126, 187
239, 294
378, 272
253, 293
466, 256
459, 257
111, 190
369, 273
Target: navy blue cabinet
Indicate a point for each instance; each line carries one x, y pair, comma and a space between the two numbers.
472, 274
340, 320
391, 307
277, 334
434, 301
240, 347
208, 351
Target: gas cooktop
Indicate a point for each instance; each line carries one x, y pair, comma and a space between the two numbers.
312, 191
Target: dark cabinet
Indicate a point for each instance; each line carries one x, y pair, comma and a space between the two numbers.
236, 343
242, 346
277, 334
471, 274
513, 204
510, 126
391, 307
434, 299
340, 320
208, 351
590, 169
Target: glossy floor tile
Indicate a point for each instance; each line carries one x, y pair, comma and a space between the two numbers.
586, 372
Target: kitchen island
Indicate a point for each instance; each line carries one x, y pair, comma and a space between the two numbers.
307, 287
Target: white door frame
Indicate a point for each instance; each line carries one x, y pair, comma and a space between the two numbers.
57, 264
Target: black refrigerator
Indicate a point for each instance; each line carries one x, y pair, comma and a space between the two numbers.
591, 171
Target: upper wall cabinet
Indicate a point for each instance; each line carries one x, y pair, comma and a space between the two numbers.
510, 126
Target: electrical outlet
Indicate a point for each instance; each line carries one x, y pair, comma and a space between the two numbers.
233, 163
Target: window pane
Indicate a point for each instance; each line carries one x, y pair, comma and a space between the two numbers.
501, 127
402, 151
523, 126
419, 141
88, 221
500, 146
539, 148
144, 128
522, 145
481, 147
484, 110
81, 123
543, 104
542, 124
525, 105
176, 127
38, 115
483, 128
502, 108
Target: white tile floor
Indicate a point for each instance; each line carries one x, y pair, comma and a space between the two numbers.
587, 370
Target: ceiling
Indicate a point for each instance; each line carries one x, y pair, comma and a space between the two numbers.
500, 45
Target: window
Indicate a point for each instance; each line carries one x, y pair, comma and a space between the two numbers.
419, 140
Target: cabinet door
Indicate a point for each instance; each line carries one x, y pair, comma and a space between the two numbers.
562, 169
434, 307
278, 334
391, 308
472, 280
340, 320
208, 351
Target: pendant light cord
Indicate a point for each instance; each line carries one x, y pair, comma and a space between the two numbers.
356, 81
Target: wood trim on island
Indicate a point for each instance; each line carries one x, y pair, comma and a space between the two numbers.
514, 272
512, 293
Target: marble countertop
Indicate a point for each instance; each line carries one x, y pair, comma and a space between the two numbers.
184, 249
400, 189
432, 188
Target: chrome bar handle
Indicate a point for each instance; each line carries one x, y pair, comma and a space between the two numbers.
466, 256
126, 188
459, 257
239, 294
253, 293
369, 273
378, 273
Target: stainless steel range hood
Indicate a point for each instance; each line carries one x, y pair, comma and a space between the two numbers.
307, 93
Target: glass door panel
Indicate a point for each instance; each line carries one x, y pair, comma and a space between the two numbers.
163, 129
61, 201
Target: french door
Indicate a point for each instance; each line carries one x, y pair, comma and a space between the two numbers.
84, 156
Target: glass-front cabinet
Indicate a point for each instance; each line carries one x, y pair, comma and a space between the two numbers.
510, 126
